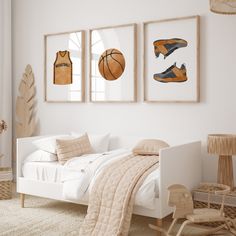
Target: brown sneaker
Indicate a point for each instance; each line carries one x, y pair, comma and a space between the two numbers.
172, 74
168, 46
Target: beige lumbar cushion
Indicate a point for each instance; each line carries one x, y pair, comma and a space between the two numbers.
149, 147
67, 149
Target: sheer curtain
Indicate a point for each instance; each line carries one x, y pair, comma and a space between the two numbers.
5, 82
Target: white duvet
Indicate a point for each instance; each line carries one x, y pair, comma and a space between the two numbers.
79, 175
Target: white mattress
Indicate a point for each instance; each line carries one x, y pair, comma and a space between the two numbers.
53, 172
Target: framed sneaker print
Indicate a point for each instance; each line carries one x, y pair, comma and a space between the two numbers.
113, 64
171, 60
64, 67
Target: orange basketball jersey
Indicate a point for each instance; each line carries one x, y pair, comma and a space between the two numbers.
62, 68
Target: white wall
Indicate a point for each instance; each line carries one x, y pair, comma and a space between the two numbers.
174, 123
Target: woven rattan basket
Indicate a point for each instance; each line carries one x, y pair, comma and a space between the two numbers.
5, 183
229, 211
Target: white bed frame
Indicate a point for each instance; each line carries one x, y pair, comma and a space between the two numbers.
178, 164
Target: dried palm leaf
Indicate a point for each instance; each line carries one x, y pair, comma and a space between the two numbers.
25, 105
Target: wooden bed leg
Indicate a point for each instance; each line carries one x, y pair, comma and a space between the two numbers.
159, 224
22, 200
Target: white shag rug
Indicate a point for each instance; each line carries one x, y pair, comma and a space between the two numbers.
44, 217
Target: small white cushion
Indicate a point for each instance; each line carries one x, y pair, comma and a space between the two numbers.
48, 144
99, 142
41, 155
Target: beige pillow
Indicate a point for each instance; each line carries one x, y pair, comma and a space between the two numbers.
67, 149
149, 147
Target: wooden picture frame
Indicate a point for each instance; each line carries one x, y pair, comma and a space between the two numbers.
123, 88
64, 56
166, 42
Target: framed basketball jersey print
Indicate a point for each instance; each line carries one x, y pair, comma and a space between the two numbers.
64, 67
113, 64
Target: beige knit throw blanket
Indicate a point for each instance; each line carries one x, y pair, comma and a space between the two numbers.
112, 197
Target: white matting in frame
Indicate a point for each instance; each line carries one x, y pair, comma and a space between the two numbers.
64, 67
121, 39
171, 60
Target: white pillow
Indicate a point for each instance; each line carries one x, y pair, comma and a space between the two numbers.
99, 142
48, 144
41, 155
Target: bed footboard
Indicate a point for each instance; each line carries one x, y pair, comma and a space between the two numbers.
180, 164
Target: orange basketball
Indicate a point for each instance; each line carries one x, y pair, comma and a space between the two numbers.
111, 64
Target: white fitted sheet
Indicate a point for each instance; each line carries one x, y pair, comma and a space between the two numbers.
43, 171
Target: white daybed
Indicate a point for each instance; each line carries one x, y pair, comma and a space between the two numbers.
178, 164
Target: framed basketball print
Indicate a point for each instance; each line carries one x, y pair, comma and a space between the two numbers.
171, 60
64, 67
113, 64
